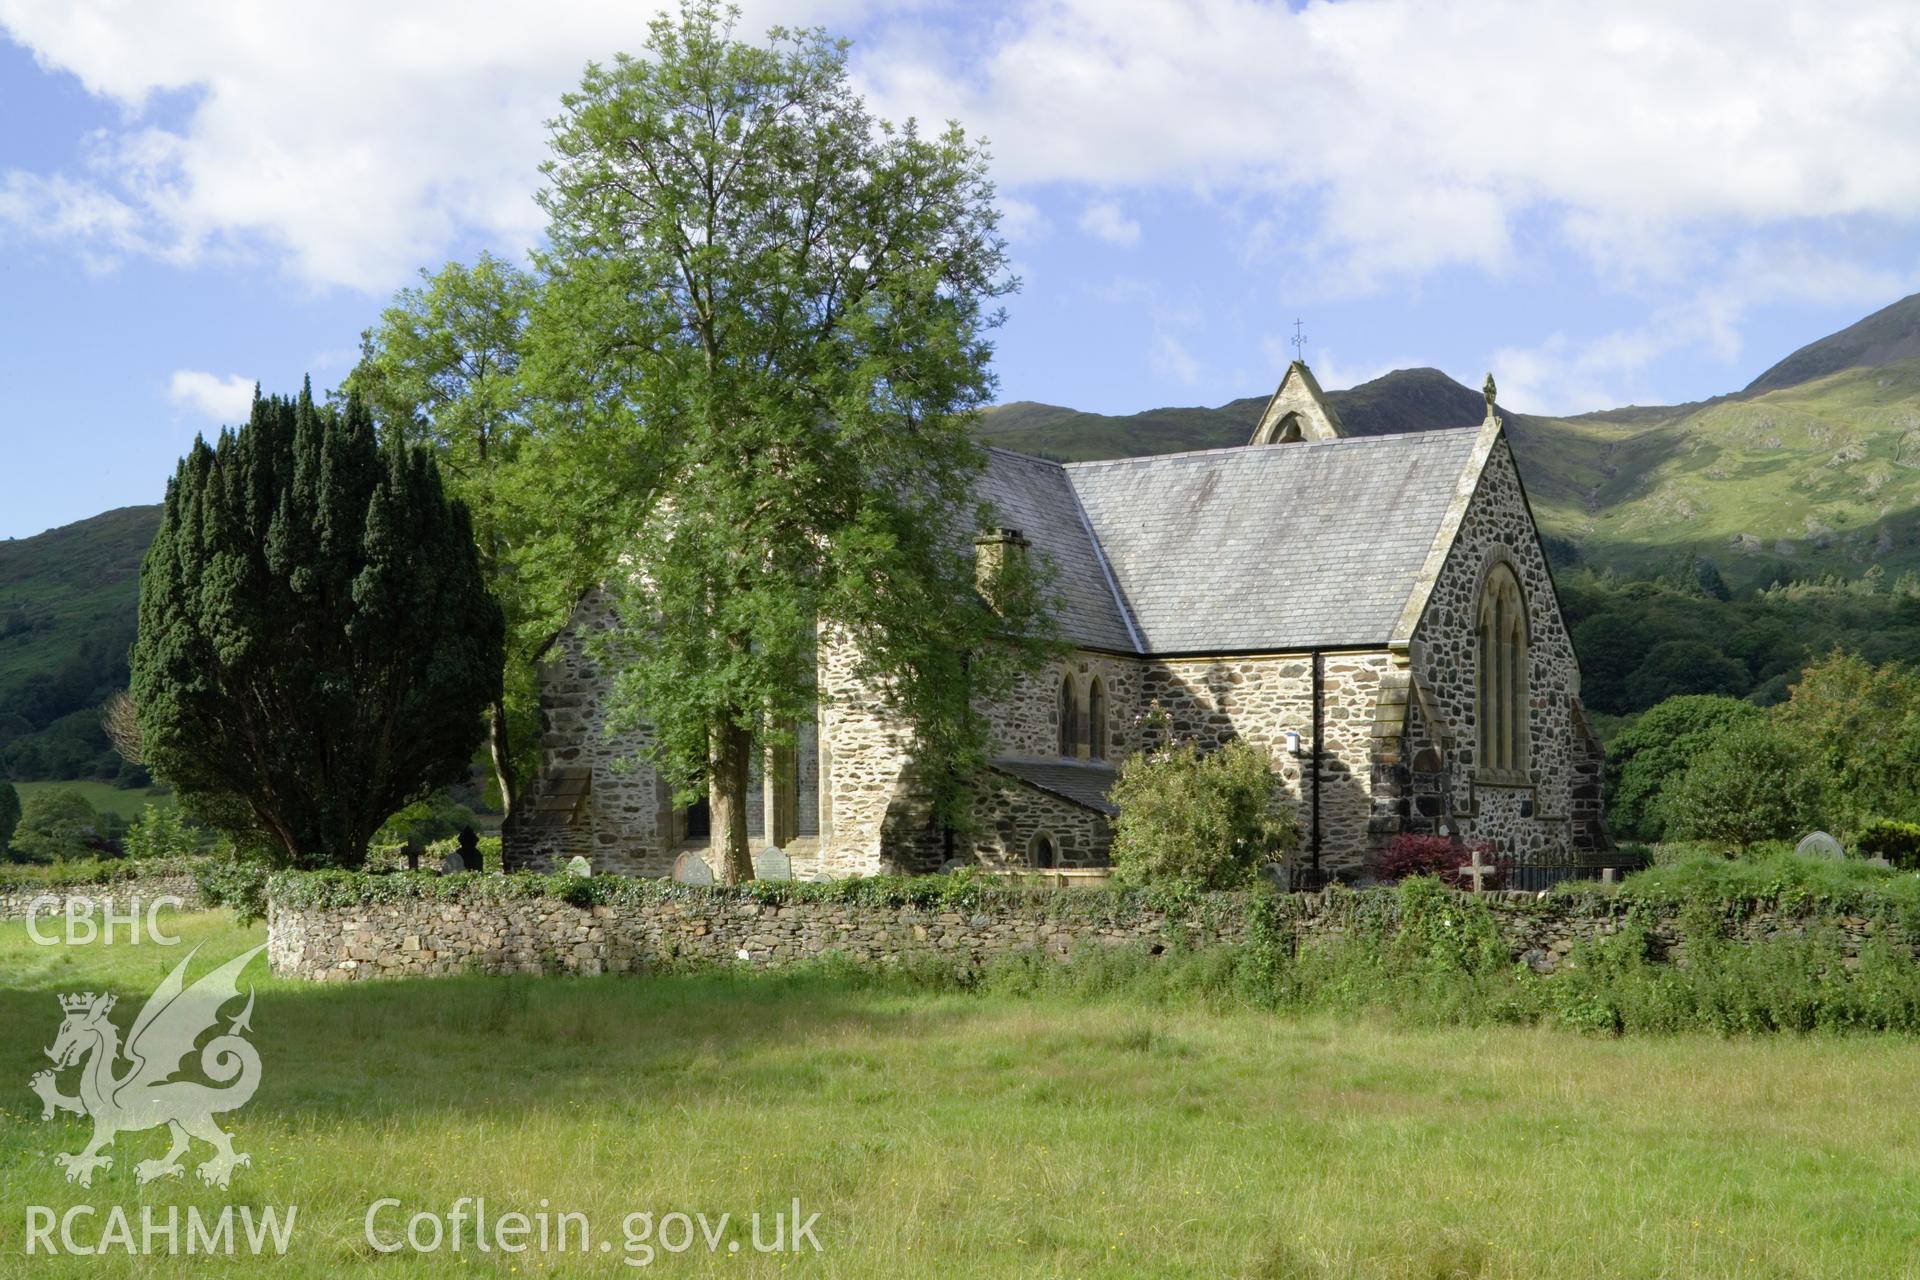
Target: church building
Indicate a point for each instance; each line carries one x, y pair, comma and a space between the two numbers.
1375, 612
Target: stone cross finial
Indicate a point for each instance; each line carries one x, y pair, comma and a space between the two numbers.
1490, 391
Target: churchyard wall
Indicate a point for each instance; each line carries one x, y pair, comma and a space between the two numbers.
342, 930
16, 900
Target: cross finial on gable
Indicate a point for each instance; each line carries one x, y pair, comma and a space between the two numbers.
1490, 391
1299, 342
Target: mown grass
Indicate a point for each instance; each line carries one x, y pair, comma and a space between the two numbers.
991, 1134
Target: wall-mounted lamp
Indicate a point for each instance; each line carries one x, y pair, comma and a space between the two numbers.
1293, 742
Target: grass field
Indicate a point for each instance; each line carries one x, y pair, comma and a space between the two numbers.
104, 797
985, 1135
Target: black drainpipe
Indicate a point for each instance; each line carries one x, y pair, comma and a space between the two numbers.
1316, 767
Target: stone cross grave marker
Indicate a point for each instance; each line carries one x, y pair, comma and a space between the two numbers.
576, 866
691, 868
1478, 869
1818, 844
772, 863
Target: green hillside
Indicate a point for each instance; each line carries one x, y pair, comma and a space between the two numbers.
68, 601
1819, 477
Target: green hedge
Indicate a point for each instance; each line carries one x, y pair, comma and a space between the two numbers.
85, 872
1783, 882
960, 891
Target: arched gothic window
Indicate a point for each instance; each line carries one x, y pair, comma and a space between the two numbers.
1096, 720
1069, 717
1502, 695
1041, 852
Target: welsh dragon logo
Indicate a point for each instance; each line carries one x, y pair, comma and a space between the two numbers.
146, 1096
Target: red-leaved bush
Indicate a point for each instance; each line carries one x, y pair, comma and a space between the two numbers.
1442, 856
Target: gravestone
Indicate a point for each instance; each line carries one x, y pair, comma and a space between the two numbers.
691, 868
576, 866
452, 864
469, 851
952, 865
1818, 844
1478, 870
772, 863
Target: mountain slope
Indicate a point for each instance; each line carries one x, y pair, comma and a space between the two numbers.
1404, 400
1888, 335
68, 605
1812, 477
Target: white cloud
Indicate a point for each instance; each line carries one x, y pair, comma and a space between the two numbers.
1565, 375
356, 141
98, 226
1170, 358
1419, 133
352, 142
1021, 221
224, 401
1104, 220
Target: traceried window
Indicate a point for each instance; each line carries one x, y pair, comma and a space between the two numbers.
1502, 696
1096, 720
1069, 717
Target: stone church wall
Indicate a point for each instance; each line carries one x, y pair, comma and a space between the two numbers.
1211, 701
626, 815
1498, 529
1009, 816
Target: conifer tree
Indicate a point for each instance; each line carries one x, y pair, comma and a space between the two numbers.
317, 648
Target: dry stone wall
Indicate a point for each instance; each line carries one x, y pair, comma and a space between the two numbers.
487, 931
122, 896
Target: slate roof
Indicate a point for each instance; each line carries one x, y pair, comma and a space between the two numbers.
1271, 547
1083, 784
1035, 497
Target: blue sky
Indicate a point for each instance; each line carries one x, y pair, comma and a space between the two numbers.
1632, 203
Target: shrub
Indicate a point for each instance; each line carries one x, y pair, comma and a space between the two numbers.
238, 881
1897, 842
1858, 727
60, 826
161, 832
1657, 748
1749, 785
1198, 821
1408, 855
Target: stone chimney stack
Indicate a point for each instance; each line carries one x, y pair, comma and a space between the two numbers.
994, 551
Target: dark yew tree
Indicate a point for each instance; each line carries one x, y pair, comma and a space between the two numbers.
317, 647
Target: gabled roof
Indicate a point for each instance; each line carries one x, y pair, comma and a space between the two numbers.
1035, 497
1082, 783
1319, 544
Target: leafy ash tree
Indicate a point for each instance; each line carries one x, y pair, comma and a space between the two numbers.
543, 457
317, 648
790, 300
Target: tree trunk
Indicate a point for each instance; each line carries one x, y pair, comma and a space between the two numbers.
502, 748
732, 750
